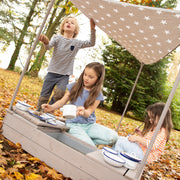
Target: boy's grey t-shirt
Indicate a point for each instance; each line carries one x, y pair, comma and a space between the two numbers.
80, 102
64, 52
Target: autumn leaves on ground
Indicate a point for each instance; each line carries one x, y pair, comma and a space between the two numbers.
15, 163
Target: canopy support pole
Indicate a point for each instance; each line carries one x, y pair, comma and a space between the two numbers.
168, 102
31, 52
142, 64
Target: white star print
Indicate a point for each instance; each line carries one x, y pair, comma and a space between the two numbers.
159, 12
147, 18
122, 19
131, 14
155, 36
167, 32
87, 2
115, 10
102, 7
169, 41
136, 23
163, 22
177, 15
151, 27
148, 33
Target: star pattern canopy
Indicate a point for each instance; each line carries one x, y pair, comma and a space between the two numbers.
148, 33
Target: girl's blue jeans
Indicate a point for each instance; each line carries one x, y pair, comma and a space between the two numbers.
124, 145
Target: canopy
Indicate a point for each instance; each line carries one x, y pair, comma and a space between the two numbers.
148, 33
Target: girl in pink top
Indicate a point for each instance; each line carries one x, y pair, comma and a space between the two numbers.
138, 143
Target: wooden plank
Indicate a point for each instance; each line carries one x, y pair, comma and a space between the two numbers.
72, 142
52, 160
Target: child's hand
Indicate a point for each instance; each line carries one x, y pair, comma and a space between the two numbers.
138, 131
44, 39
80, 111
132, 138
137, 139
46, 108
92, 23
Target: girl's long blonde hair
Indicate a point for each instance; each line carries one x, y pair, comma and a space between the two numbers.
155, 111
61, 29
77, 89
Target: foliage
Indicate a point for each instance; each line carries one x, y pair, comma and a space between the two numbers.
121, 71
18, 164
175, 105
12, 19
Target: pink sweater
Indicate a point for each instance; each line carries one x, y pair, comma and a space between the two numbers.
158, 146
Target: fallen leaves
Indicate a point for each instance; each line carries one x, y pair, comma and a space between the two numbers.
15, 163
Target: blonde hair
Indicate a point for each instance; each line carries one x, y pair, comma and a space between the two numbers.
61, 29
77, 89
155, 111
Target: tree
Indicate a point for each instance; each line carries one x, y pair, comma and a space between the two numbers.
7, 19
121, 71
23, 33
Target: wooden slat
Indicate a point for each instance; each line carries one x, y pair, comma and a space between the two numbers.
52, 160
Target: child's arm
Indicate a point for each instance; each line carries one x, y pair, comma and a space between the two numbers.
81, 111
160, 139
138, 132
92, 24
92, 41
137, 139
57, 104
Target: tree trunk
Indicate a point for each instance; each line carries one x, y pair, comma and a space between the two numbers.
21, 38
117, 106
